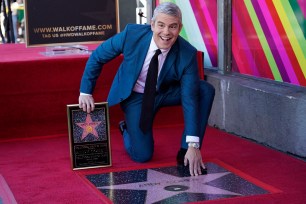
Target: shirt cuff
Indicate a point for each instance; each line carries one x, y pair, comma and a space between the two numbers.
190, 138
85, 94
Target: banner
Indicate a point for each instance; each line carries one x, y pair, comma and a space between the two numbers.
58, 22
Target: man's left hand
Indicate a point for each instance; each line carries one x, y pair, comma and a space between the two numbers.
86, 102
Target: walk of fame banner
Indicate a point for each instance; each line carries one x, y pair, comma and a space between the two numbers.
89, 136
59, 22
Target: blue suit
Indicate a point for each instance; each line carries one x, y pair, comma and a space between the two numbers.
178, 83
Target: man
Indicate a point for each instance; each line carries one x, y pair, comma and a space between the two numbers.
178, 83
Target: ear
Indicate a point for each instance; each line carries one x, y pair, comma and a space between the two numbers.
152, 25
181, 26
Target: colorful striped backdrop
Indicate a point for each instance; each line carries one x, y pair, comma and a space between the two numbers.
269, 39
268, 36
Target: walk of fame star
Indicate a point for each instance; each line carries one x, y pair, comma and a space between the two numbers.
168, 186
89, 127
171, 185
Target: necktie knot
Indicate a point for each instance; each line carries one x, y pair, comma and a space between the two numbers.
157, 52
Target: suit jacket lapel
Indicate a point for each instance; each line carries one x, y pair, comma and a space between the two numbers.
143, 49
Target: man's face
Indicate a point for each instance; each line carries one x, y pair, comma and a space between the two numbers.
165, 29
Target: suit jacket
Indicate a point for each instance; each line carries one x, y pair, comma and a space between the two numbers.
180, 69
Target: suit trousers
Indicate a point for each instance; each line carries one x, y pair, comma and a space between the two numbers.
140, 146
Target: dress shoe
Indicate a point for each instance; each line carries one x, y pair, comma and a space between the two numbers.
122, 126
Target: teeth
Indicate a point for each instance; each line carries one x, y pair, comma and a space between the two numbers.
163, 38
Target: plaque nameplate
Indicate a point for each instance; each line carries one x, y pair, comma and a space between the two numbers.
89, 136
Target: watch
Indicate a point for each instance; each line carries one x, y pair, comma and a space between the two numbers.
194, 145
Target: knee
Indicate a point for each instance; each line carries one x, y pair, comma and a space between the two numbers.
142, 154
142, 157
140, 146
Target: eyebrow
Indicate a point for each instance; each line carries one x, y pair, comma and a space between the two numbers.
172, 24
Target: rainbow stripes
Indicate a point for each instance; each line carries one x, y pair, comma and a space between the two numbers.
268, 36
269, 39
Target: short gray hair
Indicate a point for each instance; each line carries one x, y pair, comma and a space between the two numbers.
168, 8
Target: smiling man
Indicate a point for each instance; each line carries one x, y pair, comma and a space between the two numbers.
154, 56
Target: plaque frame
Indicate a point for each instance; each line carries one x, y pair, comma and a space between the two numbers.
89, 136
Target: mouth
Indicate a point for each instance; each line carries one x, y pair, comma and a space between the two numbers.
165, 38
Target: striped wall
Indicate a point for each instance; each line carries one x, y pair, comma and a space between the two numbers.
268, 36
269, 39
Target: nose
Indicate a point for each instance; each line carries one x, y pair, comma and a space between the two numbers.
166, 30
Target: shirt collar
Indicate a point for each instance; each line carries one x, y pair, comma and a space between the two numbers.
154, 47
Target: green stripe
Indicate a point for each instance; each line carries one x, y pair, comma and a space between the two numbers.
263, 41
184, 34
163, 1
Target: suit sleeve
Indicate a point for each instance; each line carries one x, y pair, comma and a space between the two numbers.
190, 96
105, 52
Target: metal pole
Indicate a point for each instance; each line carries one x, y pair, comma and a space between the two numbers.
224, 36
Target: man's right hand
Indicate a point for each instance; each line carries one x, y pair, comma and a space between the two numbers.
193, 157
87, 103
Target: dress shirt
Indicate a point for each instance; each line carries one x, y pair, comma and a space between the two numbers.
140, 83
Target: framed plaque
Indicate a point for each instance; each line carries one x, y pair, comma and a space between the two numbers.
89, 137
